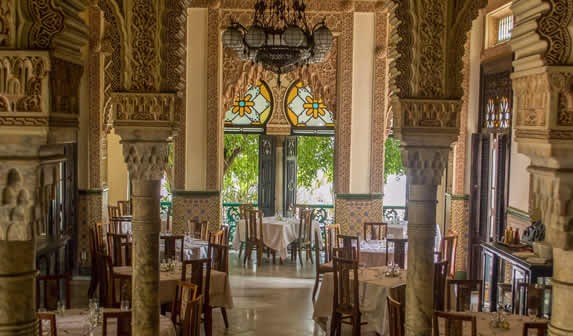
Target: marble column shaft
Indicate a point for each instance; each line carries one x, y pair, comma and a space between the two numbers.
420, 277
18, 288
145, 282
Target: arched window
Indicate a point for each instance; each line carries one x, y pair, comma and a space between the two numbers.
253, 109
304, 110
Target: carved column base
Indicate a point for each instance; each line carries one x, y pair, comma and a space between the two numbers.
145, 282
18, 288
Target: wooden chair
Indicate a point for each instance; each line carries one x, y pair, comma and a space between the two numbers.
123, 327
192, 317
378, 231
462, 290
117, 224
113, 287
349, 247
95, 247
255, 237
216, 237
200, 275
330, 240
170, 246
244, 216
49, 289
453, 323
197, 229
304, 239
395, 317
399, 251
113, 211
49, 318
226, 234
184, 293
321, 269
529, 296
440, 276
345, 304
398, 293
124, 208
119, 246
540, 328
219, 255
447, 251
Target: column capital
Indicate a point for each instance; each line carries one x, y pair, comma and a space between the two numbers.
425, 165
423, 117
146, 160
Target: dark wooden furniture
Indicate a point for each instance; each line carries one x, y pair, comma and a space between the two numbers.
345, 303
124, 208
192, 317
440, 276
200, 275
462, 290
395, 317
540, 328
530, 296
453, 323
49, 318
244, 215
304, 238
49, 289
119, 248
255, 237
330, 241
123, 322
219, 255
184, 292
377, 231
321, 268
349, 247
197, 229
216, 237
495, 257
447, 251
170, 246
399, 251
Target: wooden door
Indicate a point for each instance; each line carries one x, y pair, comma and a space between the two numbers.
290, 171
267, 172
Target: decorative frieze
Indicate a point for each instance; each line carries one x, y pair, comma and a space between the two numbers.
531, 100
143, 106
425, 165
428, 113
7, 24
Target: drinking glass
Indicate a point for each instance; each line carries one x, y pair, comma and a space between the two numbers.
124, 305
61, 308
532, 313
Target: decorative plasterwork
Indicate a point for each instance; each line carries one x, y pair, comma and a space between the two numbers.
214, 110
130, 106
70, 41
15, 210
554, 28
424, 165
7, 23
437, 114
65, 92
24, 82
145, 160
46, 21
531, 100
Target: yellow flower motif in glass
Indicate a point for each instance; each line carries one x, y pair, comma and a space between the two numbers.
305, 110
243, 106
253, 109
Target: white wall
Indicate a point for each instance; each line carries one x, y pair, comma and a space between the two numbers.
518, 179
118, 177
362, 95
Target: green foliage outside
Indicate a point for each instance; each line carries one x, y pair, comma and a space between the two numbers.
314, 154
392, 158
241, 168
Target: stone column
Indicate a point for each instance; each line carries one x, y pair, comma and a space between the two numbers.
145, 149
424, 170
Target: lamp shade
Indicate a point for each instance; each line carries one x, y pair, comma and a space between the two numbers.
293, 36
232, 38
322, 38
255, 37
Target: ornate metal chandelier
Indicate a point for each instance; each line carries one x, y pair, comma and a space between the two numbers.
280, 38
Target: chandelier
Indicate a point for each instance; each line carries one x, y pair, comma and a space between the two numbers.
280, 38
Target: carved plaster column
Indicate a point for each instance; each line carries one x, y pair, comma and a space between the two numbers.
145, 124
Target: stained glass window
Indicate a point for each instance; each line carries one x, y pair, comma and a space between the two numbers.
253, 109
306, 110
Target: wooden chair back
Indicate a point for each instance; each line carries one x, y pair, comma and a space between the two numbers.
123, 327
50, 319
244, 210
124, 208
192, 317
460, 292
395, 317
317, 241
113, 211
346, 298
375, 230
305, 227
113, 287
398, 293
170, 243
529, 296
440, 276
330, 240
100, 229
453, 324
197, 229
119, 246
184, 293
219, 255
119, 224
350, 247
49, 290
199, 274
254, 226
217, 237
399, 245
226, 234
539, 328
447, 251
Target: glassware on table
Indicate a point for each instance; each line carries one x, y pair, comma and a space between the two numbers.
532, 313
60, 308
124, 305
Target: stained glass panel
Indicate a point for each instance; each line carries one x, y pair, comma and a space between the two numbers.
306, 110
253, 109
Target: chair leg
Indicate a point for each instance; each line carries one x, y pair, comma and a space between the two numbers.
209, 321
356, 325
225, 319
241, 246
315, 286
333, 324
309, 255
247, 253
260, 251
300, 254
93, 284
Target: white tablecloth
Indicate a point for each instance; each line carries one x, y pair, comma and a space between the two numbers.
193, 248
373, 290
219, 291
74, 322
277, 233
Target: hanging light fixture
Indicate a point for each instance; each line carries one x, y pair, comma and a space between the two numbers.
279, 37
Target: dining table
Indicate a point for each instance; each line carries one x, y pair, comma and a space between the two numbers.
278, 233
374, 287
485, 327
219, 290
192, 247
74, 322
